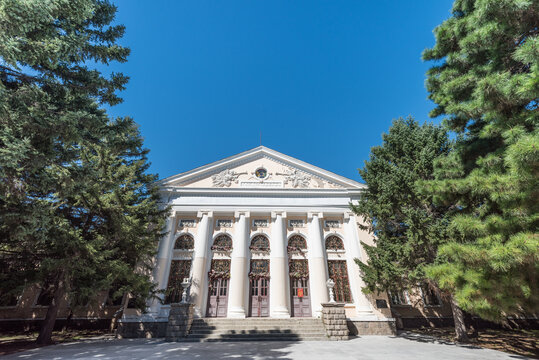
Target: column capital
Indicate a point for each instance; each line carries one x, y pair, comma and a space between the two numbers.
311, 215
239, 213
274, 214
201, 213
349, 215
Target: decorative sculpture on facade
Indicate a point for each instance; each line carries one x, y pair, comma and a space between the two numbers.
185, 284
296, 178
225, 178
331, 284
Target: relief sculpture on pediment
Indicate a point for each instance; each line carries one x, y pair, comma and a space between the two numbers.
296, 178
225, 178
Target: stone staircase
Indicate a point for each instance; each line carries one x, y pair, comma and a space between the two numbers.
253, 329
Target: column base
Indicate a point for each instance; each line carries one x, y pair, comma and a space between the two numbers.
280, 313
197, 313
236, 313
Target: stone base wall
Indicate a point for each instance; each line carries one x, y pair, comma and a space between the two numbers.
20, 325
358, 328
141, 329
334, 319
436, 322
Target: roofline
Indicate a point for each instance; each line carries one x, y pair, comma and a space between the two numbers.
263, 150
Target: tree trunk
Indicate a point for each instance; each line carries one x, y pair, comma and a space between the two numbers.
460, 325
68, 320
45, 333
118, 314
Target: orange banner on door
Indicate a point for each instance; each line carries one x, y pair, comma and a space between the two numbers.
300, 292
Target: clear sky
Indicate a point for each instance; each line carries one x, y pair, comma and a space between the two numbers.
320, 79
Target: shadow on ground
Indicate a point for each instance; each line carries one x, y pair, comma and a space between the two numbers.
158, 349
423, 338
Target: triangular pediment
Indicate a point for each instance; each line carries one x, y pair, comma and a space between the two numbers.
260, 167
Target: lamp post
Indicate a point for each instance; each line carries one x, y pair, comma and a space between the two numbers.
330, 284
185, 284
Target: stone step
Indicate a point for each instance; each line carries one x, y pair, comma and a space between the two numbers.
256, 327
226, 339
256, 323
257, 319
257, 331
256, 337
252, 330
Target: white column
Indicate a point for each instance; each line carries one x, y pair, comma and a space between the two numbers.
199, 278
317, 264
279, 281
238, 266
353, 251
162, 263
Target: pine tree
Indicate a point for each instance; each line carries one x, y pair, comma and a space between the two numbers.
485, 82
407, 225
78, 210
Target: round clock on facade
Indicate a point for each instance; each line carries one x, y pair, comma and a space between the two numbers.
261, 173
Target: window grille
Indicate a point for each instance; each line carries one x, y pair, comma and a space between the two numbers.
399, 297
222, 242
339, 274
184, 242
297, 242
334, 243
179, 269
430, 297
260, 243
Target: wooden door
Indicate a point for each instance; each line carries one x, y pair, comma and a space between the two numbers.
301, 299
259, 290
218, 298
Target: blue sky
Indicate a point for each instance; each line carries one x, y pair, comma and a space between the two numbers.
320, 79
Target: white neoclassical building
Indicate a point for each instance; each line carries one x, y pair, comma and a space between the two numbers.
259, 234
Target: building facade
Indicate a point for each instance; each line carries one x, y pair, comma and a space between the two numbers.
258, 234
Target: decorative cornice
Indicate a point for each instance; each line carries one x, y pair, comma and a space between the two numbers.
257, 192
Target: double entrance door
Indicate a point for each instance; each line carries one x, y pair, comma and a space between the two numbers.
218, 298
259, 299
301, 300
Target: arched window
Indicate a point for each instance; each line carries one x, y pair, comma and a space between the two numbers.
260, 243
296, 243
184, 242
334, 243
223, 243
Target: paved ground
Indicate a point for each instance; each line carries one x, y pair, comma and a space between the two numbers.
408, 347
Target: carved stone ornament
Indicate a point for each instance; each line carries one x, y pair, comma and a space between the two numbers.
224, 223
296, 178
260, 223
225, 178
296, 223
186, 223
333, 223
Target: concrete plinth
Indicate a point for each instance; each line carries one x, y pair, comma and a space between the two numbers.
334, 319
180, 320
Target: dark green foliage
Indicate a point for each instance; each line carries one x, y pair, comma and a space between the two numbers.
77, 208
407, 225
486, 83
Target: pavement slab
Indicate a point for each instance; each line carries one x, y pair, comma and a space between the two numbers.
366, 347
